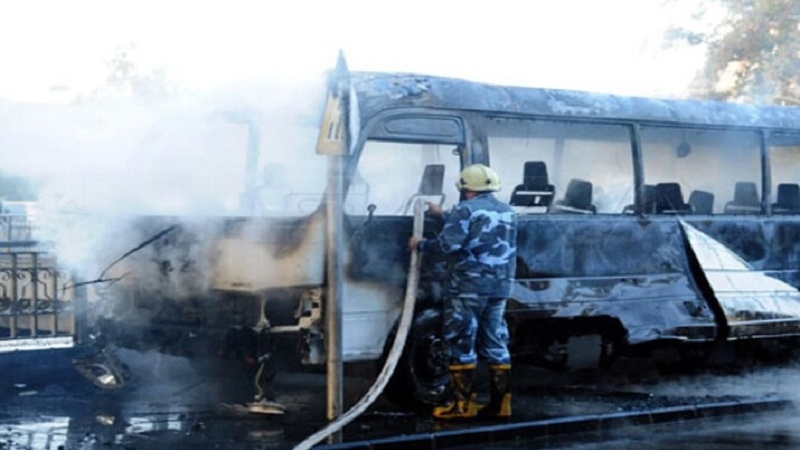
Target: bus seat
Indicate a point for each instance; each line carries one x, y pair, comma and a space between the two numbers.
788, 199
702, 202
430, 186
577, 199
669, 199
535, 194
745, 199
432, 180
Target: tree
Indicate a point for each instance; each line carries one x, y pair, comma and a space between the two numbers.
753, 54
125, 79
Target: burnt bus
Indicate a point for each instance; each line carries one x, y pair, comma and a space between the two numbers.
643, 224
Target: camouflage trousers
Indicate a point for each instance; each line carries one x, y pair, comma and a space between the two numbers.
475, 327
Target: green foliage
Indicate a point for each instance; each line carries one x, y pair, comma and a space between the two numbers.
759, 52
125, 79
753, 53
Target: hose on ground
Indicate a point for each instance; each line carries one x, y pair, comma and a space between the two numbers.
397, 346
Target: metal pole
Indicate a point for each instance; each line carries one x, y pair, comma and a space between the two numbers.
35, 295
334, 276
15, 296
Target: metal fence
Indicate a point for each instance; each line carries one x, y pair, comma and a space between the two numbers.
37, 301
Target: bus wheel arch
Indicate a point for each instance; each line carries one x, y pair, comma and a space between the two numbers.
421, 378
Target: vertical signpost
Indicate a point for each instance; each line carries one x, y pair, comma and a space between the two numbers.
334, 141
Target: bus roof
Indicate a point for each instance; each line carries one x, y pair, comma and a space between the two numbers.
377, 92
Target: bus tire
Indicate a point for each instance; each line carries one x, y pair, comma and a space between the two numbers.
421, 378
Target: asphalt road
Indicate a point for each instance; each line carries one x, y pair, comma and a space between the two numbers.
177, 403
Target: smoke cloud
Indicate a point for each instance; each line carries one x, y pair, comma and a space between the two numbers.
102, 165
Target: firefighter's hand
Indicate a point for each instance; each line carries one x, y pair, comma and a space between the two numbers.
413, 241
434, 209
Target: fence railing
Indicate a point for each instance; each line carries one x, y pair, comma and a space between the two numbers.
37, 305
35, 298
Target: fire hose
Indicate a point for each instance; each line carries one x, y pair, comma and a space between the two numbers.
395, 352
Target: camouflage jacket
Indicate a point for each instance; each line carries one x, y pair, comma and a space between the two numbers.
480, 237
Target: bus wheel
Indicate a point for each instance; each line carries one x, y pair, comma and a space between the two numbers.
421, 378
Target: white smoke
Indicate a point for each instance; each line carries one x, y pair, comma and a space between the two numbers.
101, 164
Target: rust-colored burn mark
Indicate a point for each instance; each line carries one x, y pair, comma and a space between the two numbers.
292, 237
283, 236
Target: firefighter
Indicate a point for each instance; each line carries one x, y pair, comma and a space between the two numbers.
479, 236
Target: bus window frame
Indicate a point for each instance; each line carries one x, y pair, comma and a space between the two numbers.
475, 147
762, 136
629, 126
368, 133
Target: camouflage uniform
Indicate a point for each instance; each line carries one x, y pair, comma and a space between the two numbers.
480, 235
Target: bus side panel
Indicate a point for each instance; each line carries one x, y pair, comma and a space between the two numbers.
375, 275
632, 270
784, 250
258, 253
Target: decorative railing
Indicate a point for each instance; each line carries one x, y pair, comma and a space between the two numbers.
37, 302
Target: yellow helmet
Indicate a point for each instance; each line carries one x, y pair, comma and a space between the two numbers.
478, 178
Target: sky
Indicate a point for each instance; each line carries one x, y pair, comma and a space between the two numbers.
54, 51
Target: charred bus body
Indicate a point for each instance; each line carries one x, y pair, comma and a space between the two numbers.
643, 223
